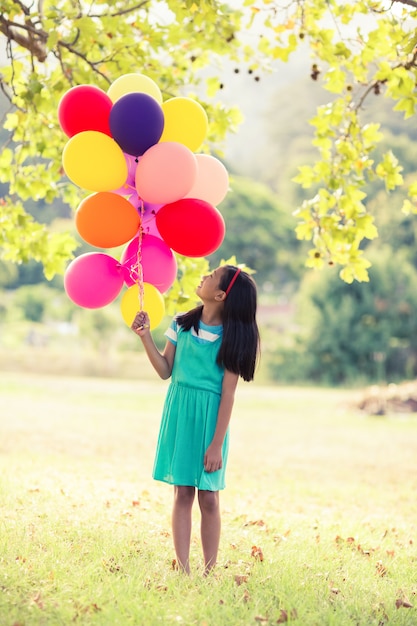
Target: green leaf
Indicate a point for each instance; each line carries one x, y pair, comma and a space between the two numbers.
408, 105
390, 171
335, 80
306, 176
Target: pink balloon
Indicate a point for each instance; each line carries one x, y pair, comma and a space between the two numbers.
93, 280
159, 265
166, 172
212, 180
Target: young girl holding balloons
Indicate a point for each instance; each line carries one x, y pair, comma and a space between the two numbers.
206, 352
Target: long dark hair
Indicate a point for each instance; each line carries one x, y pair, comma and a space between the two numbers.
239, 348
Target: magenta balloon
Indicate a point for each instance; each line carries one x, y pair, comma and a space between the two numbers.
84, 107
93, 280
159, 265
191, 227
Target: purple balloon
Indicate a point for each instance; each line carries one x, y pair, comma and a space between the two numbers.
93, 280
136, 122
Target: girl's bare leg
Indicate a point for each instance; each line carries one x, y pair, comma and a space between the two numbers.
181, 524
210, 526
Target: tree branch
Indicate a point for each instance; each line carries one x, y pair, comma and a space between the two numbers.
410, 3
34, 41
124, 11
93, 66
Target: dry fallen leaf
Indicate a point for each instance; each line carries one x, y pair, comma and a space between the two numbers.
258, 522
257, 553
400, 602
37, 599
111, 565
284, 616
240, 579
381, 570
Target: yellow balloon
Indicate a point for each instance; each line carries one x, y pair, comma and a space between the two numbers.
131, 83
153, 304
94, 161
185, 122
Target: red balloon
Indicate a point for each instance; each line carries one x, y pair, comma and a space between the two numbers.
191, 227
84, 107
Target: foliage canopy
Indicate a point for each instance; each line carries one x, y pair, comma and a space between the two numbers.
358, 49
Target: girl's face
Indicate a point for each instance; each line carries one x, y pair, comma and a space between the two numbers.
209, 288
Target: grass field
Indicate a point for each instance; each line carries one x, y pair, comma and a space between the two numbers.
319, 514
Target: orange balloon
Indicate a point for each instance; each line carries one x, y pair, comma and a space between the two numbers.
106, 220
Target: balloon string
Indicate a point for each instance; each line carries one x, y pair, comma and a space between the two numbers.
131, 262
140, 268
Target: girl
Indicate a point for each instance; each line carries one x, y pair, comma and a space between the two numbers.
207, 349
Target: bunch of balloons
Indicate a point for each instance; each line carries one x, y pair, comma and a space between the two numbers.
148, 186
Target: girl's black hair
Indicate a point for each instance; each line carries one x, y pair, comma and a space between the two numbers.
239, 348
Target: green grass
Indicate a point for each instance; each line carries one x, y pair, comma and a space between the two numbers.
319, 514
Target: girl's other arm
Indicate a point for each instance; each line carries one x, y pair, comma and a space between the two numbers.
162, 362
213, 457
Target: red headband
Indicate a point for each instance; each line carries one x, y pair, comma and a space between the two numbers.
232, 282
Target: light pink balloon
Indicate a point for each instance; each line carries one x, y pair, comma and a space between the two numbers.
159, 264
166, 172
212, 180
93, 280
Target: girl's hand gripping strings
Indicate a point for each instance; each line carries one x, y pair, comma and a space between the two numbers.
141, 324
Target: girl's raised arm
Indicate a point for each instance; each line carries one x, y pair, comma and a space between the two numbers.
162, 362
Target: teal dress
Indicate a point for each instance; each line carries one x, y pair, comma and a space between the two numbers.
190, 411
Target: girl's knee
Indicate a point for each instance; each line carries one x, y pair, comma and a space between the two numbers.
184, 496
208, 501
